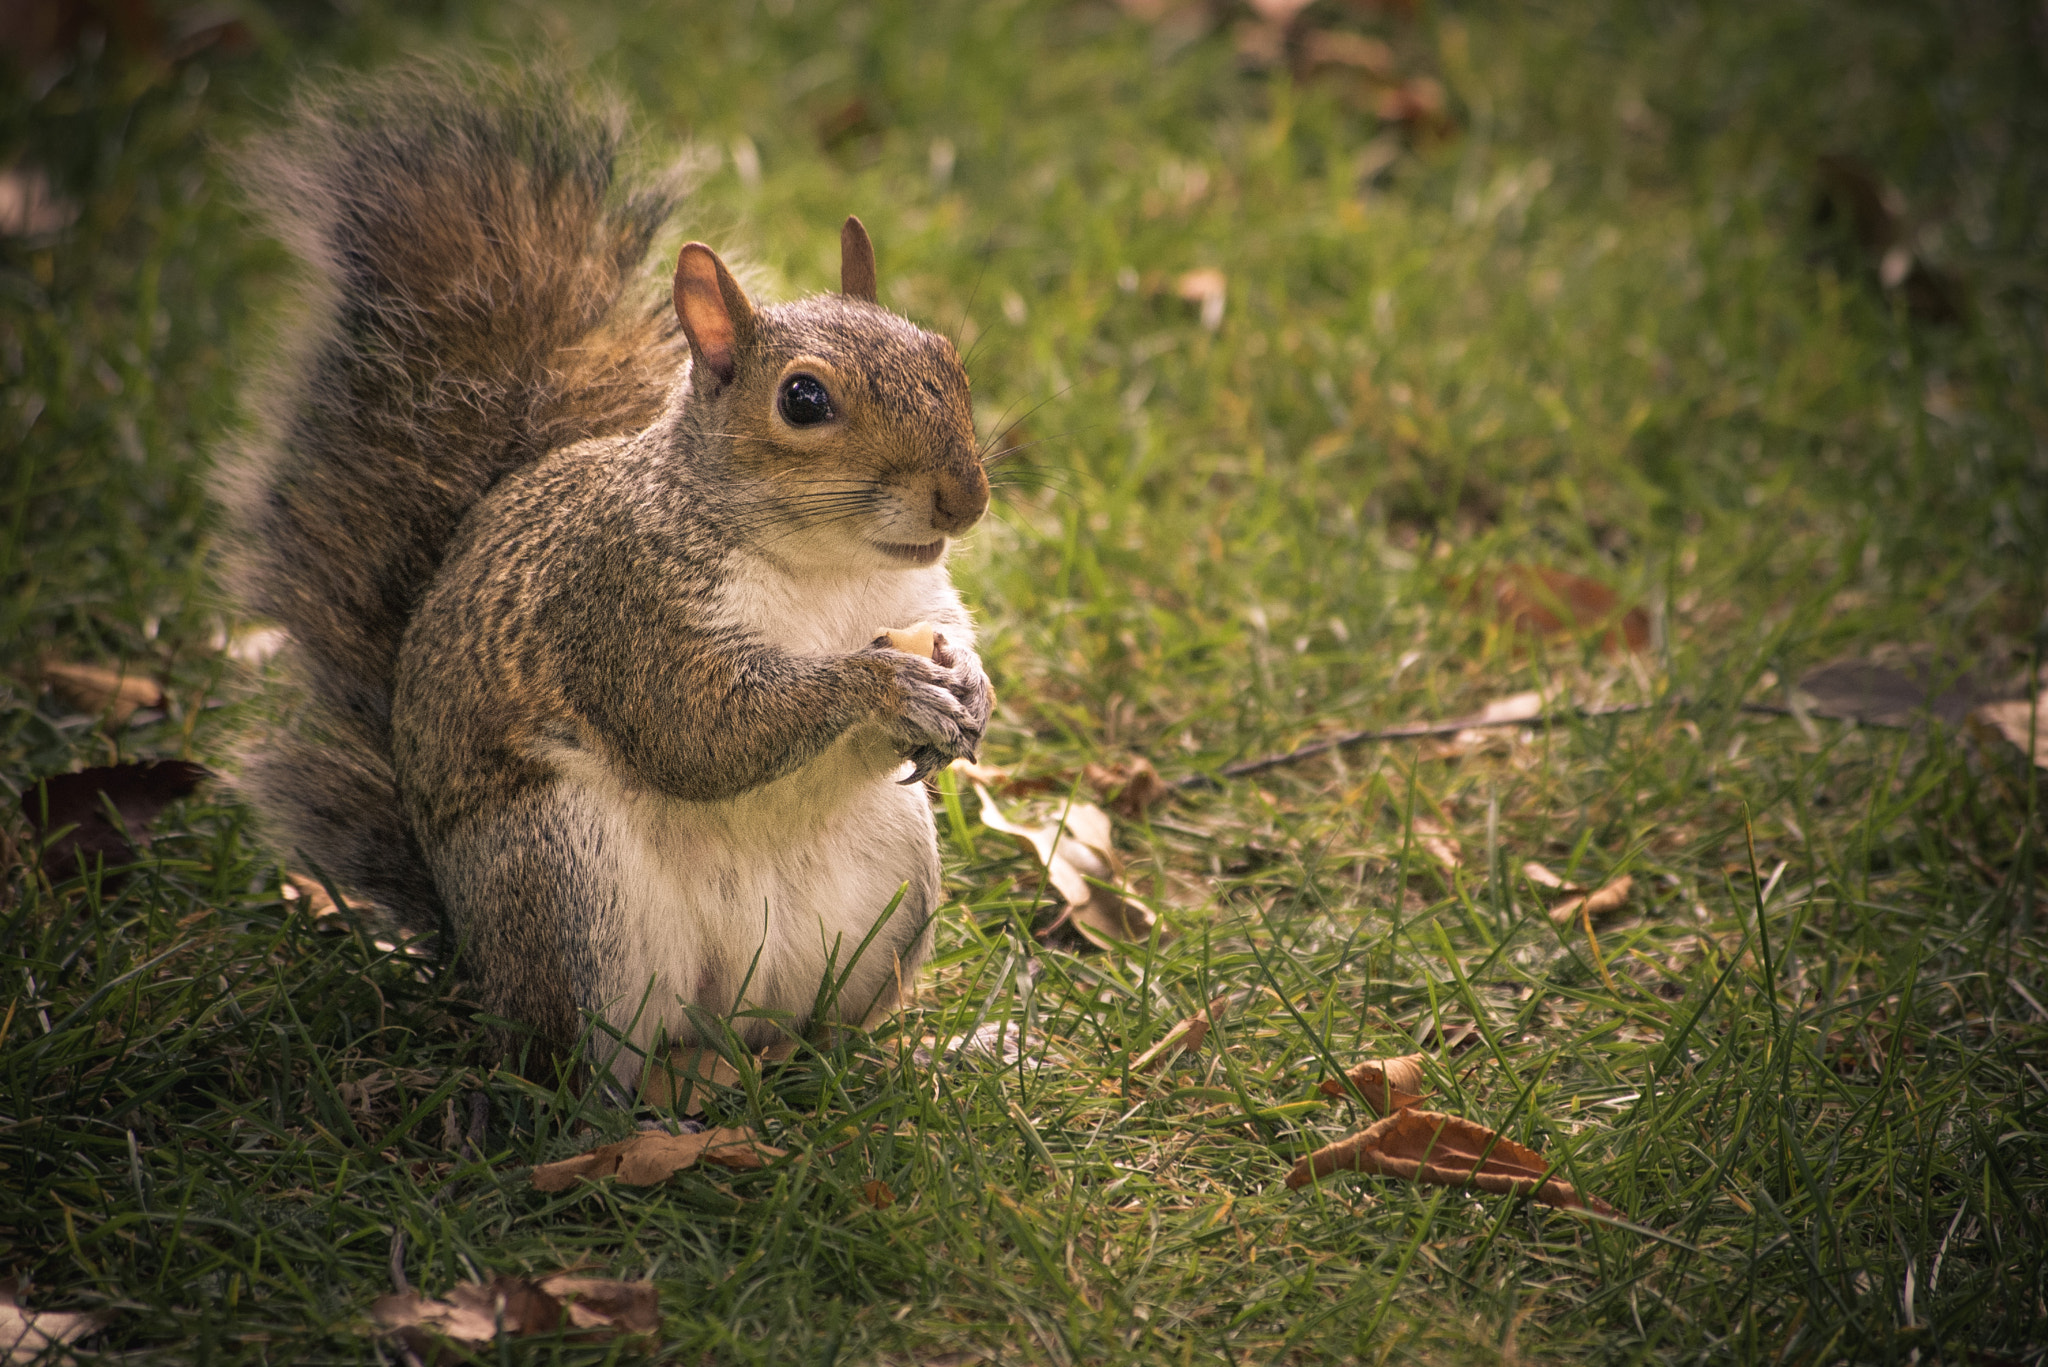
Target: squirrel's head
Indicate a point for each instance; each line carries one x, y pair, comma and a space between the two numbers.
851, 426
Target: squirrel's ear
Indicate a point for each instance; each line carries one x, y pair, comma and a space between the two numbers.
856, 261
717, 316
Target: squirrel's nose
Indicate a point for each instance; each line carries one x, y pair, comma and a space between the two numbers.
959, 501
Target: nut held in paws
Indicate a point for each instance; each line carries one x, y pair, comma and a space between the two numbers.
915, 639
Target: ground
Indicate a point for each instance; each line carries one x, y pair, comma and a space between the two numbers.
1304, 356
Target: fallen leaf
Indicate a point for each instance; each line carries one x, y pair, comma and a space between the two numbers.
1599, 902
1000, 1043
115, 694
654, 1156
1878, 221
915, 639
1003, 781
1433, 1149
877, 1194
1431, 835
1205, 287
1331, 47
2021, 722
1419, 100
847, 122
258, 646
678, 1082
1080, 863
1549, 602
476, 1314
1185, 1037
1132, 787
1544, 878
1883, 695
29, 207
1386, 1084
79, 801
28, 1335
1281, 12
1454, 1038
297, 887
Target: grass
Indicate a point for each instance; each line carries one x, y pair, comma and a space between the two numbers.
1590, 326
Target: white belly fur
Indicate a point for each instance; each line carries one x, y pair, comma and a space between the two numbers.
770, 888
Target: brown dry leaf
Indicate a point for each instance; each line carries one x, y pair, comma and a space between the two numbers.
653, 1156
1081, 864
1205, 287
298, 887
1387, 1084
1185, 1037
1419, 100
679, 1081
512, 1307
1132, 787
1596, 903
138, 793
2018, 721
1544, 878
1548, 602
915, 639
1003, 781
1877, 692
877, 1193
115, 694
1443, 1150
1432, 836
1280, 13
1452, 1038
30, 206
28, 1335
1331, 47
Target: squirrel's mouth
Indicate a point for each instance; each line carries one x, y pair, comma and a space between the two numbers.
927, 554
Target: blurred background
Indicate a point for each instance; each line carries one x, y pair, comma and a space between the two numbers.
1267, 303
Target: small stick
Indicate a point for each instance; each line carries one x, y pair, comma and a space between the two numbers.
1420, 730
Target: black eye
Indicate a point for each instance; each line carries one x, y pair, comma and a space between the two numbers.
804, 401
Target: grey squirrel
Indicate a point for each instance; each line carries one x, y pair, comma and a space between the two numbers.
583, 577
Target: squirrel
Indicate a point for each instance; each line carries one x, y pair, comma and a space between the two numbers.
583, 579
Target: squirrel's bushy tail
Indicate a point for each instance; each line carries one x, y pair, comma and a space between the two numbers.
471, 253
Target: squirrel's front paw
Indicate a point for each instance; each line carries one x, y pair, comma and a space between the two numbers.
938, 707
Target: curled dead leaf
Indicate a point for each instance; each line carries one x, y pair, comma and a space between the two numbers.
1081, 864
297, 887
116, 694
1132, 787
678, 1081
1544, 878
878, 1194
29, 1335
1419, 100
1386, 1084
475, 1314
2022, 722
1205, 287
1438, 842
1550, 602
1333, 47
79, 802
1433, 1149
653, 1156
1599, 902
1186, 1037
29, 205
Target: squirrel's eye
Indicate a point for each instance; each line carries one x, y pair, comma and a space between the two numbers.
804, 401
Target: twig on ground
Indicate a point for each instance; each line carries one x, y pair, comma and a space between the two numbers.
1422, 730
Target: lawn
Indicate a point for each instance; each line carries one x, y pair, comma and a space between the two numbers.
1305, 356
